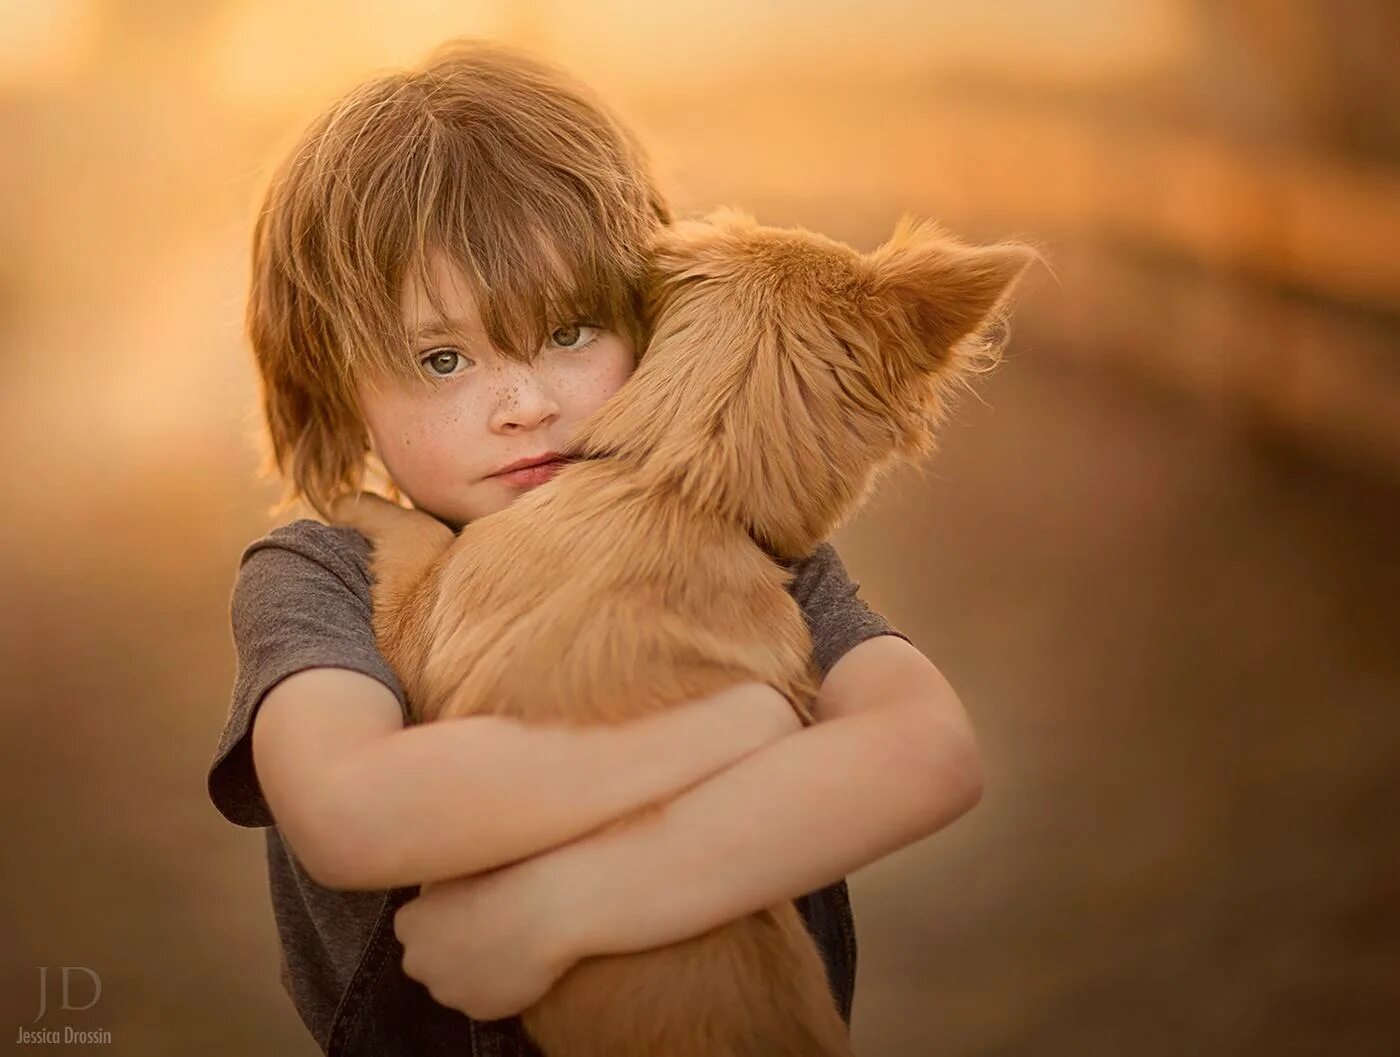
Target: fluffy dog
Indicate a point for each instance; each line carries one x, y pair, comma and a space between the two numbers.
785, 372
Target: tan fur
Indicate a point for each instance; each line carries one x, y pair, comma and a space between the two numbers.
785, 372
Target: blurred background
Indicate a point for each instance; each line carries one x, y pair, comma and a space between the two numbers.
1157, 557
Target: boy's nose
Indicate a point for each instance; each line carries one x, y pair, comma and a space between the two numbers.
526, 401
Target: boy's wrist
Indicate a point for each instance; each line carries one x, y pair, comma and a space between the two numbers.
572, 899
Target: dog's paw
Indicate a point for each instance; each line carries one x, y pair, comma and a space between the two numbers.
363, 510
341, 510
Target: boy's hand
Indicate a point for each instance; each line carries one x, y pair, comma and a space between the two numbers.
490, 944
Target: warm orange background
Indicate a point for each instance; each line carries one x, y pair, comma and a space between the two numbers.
1157, 559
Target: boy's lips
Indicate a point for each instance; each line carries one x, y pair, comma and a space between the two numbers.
531, 474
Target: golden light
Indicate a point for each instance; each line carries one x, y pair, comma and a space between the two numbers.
43, 44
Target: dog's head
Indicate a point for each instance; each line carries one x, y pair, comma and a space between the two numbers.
786, 370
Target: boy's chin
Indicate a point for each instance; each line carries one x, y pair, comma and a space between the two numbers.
485, 500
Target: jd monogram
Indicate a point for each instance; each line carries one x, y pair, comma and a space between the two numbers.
66, 969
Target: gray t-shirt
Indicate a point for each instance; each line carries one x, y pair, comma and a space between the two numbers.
302, 600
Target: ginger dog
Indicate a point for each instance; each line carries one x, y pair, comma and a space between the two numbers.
784, 373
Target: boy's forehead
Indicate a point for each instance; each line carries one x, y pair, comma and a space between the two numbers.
453, 291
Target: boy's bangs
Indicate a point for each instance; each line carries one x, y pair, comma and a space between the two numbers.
532, 291
534, 260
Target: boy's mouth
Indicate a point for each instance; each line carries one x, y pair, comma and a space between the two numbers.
535, 470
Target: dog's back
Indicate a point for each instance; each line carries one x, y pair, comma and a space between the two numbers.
590, 601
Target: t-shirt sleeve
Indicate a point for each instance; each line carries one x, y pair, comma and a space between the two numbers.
301, 600
837, 617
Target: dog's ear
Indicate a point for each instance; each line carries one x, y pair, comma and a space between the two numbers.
690, 248
946, 288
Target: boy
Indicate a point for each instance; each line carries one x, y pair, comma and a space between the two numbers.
445, 282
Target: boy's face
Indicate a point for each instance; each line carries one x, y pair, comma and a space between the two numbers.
445, 440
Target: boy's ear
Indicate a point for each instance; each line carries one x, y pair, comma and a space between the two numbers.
947, 288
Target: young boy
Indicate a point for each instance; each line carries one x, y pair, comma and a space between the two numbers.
445, 282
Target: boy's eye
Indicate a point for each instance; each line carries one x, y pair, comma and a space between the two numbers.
573, 335
443, 363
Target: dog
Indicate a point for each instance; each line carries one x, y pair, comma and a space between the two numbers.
785, 373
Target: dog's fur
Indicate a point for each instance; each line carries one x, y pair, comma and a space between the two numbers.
784, 373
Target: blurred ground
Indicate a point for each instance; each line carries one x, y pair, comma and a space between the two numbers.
1187, 712
1185, 686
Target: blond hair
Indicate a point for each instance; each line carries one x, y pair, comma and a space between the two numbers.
527, 184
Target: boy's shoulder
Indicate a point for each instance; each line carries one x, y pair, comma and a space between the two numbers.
315, 540
310, 532
811, 569
298, 556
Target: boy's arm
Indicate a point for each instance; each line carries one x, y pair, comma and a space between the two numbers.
366, 803
892, 759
